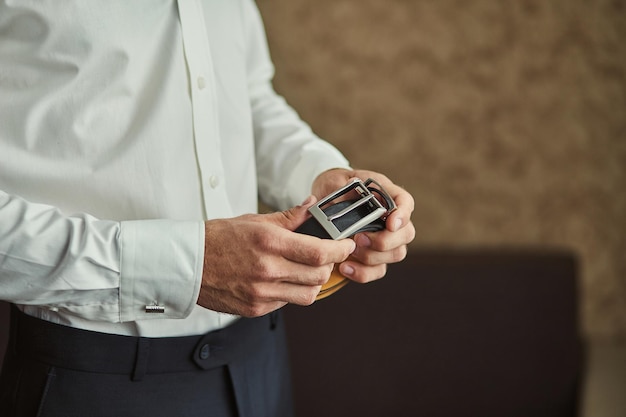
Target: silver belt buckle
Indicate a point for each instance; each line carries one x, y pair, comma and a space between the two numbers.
366, 197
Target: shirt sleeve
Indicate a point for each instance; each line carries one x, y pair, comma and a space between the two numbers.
97, 269
289, 155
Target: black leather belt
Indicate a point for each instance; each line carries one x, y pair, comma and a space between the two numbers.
347, 217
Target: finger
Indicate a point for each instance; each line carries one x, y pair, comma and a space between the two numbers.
303, 275
264, 296
313, 251
385, 240
405, 204
303, 295
362, 273
292, 218
372, 257
404, 201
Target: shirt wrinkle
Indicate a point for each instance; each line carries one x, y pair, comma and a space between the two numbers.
124, 126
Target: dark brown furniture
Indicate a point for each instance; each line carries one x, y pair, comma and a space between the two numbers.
448, 333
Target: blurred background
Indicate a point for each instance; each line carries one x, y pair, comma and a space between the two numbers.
505, 120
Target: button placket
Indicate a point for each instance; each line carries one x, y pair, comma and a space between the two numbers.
204, 107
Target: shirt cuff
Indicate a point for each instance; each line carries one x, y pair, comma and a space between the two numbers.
161, 265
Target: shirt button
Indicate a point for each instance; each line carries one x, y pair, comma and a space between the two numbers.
201, 82
214, 181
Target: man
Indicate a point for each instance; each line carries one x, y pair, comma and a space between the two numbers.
135, 137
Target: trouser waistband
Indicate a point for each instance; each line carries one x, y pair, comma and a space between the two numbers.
89, 351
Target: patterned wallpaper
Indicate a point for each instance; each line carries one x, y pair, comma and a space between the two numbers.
505, 120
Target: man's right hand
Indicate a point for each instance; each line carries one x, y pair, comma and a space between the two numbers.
255, 264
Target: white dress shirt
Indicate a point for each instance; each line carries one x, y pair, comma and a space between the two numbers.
123, 125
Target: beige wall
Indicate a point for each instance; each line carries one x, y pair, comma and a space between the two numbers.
506, 120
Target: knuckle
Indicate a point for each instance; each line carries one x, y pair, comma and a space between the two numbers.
326, 273
317, 257
307, 297
371, 273
368, 257
383, 270
254, 294
358, 278
265, 270
412, 233
400, 253
255, 304
254, 297
377, 273
254, 310
322, 275
262, 240
382, 244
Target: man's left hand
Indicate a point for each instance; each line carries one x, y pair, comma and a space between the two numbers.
374, 249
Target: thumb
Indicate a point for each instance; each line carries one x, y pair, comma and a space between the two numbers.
292, 218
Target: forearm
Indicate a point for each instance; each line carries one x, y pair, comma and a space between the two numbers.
288, 154
97, 269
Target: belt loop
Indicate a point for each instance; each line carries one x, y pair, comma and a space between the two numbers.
141, 360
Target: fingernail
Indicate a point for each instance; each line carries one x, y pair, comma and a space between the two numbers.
363, 241
347, 270
397, 224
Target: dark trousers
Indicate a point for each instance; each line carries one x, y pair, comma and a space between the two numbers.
54, 370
